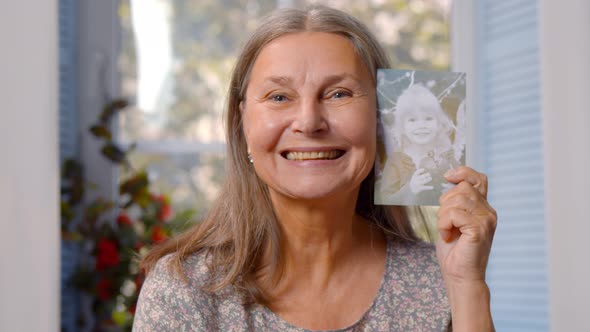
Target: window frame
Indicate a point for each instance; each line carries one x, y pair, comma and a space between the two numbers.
98, 83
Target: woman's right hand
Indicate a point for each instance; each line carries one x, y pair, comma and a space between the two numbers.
419, 180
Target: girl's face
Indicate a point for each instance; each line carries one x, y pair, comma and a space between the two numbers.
421, 127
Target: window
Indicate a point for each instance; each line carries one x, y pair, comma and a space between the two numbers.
176, 58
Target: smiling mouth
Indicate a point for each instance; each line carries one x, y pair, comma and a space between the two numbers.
313, 155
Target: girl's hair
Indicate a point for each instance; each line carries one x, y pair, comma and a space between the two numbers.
241, 226
418, 98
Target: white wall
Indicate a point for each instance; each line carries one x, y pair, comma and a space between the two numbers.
565, 61
29, 240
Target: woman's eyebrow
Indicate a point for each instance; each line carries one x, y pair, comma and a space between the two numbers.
280, 80
332, 79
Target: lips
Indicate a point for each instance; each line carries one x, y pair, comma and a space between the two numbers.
313, 155
421, 134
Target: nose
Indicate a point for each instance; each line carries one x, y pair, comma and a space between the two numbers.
310, 118
421, 123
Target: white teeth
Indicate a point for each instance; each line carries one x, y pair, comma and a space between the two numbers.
313, 155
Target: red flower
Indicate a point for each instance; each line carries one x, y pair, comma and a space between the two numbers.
164, 209
138, 245
158, 234
123, 219
104, 289
165, 212
107, 254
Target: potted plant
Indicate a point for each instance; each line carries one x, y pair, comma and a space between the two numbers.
103, 239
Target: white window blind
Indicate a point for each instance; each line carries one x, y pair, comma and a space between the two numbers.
507, 52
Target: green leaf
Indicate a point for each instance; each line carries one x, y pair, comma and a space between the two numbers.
101, 131
96, 208
135, 185
72, 236
121, 318
114, 153
71, 168
112, 108
142, 198
66, 211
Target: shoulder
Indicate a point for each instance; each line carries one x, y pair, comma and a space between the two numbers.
415, 251
168, 301
402, 158
398, 165
194, 276
411, 259
415, 283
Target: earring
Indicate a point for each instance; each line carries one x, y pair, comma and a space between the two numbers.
250, 158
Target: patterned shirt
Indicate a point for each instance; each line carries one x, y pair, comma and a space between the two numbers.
411, 297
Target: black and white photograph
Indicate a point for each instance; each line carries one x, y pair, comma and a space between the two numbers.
421, 134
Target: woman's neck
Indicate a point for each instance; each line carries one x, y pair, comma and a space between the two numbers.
318, 236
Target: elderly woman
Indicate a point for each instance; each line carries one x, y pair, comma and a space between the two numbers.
294, 242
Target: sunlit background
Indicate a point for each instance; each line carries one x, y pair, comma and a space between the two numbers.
176, 58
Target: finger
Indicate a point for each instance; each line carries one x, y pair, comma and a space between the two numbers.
477, 228
419, 171
463, 188
467, 199
463, 173
448, 219
448, 185
425, 173
426, 178
461, 200
423, 188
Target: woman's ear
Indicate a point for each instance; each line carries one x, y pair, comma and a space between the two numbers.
244, 120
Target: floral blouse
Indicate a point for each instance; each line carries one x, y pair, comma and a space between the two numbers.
411, 297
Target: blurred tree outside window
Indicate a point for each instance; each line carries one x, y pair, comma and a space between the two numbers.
176, 58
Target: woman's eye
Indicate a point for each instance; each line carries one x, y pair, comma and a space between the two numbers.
340, 94
278, 98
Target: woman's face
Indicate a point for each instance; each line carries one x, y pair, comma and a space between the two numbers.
310, 116
420, 127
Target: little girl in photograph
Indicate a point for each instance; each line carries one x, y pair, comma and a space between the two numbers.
422, 151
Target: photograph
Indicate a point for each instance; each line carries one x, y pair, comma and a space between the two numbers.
421, 134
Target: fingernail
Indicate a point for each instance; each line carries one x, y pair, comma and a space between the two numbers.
450, 173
